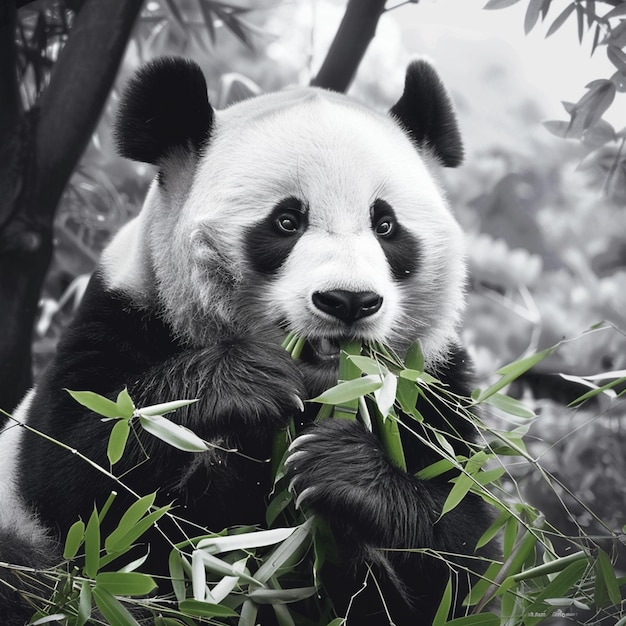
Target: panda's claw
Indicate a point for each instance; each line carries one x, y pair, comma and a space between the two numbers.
303, 496
298, 441
298, 402
294, 456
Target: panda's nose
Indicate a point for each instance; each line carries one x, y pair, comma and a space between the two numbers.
348, 306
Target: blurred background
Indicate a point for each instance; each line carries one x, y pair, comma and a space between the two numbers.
541, 195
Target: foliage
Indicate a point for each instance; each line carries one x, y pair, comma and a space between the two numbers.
605, 19
218, 576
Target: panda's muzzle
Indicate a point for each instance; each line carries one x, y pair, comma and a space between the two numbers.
347, 306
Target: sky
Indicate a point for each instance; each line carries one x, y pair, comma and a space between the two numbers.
554, 69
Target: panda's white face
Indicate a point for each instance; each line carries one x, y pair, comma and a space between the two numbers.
316, 215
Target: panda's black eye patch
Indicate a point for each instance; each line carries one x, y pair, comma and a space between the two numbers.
269, 242
400, 247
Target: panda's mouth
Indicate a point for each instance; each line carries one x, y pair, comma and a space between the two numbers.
321, 350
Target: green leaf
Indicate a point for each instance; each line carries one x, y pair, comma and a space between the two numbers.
165, 407
117, 441
350, 390
125, 583
92, 545
484, 619
607, 592
174, 434
386, 395
435, 469
493, 530
282, 596
177, 574
124, 404
414, 359
557, 587
462, 484
96, 403
510, 405
74, 539
407, 394
84, 604
142, 526
441, 617
514, 370
205, 609
277, 505
112, 609
366, 364
130, 518
339, 621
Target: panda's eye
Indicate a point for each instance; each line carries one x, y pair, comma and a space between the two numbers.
384, 226
288, 223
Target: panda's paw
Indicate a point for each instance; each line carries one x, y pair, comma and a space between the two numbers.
335, 469
257, 382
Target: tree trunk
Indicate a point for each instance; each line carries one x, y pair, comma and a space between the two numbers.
38, 153
355, 32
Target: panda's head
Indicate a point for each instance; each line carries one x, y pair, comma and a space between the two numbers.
301, 210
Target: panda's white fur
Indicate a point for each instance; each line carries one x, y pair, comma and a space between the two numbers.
184, 233
192, 299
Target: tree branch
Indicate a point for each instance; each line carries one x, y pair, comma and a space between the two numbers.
10, 113
80, 83
355, 32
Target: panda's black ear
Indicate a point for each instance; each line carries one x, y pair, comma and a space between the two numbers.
165, 106
425, 111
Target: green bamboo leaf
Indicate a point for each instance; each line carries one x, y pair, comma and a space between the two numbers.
607, 592
124, 404
92, 545
435, 469
414, 359
112, 609
282, 596
177, 574
489, 476
205, 609
117, 441
441, 617
482, 585
130, 518
493, 530
165, 407
74, 539
350, 390
339, 621
514, 370
407, 395
386, 395
142, 526
125, 583
174, 434
462, 484
510, 405
84, 604
277, 505
96, 403
484, 619
557, 587
366, 364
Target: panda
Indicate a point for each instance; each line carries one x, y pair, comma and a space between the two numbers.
297, 211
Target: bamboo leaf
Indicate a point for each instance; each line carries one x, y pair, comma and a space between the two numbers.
92, 545
350, 390
165, 407
174, 434
96, 403
74, 539
414, 359
117, 441
561, 19
131, 516
204, 609
112, 609
441, 617
510, 405
282, 596
245, 541
532, 14
84, 604
126, 540
493, 5
607, 591
462, 484
386, 395
125, 583
177, 574
124, 404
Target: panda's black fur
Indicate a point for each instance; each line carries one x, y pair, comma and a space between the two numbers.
130, 332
